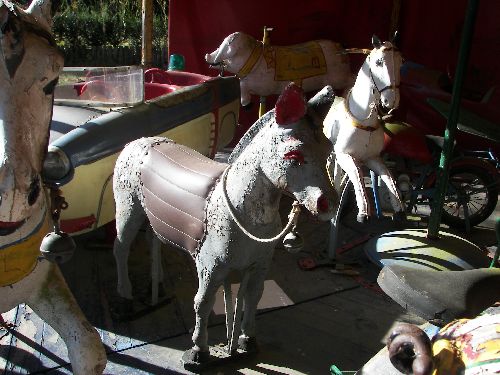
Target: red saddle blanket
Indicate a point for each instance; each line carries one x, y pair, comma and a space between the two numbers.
177, 182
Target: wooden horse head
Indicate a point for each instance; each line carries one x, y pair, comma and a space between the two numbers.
30, 64
382, 65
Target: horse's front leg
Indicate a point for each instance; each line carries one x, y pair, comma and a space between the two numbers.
252, 295
246, 97
378, 166
55, 304
353, 169
203, 303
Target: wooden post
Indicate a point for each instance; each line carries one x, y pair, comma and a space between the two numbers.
147, 33
396, 8
265, 42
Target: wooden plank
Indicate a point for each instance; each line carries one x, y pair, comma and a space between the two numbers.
33, 344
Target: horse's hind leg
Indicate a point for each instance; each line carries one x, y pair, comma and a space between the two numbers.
129, 219
350, 166
378, 166
55, 304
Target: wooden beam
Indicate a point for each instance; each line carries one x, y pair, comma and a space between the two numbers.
147, 33
395, 14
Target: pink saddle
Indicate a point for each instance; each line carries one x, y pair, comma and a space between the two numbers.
176, 183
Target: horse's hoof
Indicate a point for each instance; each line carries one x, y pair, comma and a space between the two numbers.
247, 344
362, 218
193, 359
247, 107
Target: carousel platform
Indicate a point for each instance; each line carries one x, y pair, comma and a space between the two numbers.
315, 313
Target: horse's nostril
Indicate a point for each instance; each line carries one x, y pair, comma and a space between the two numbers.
323, 205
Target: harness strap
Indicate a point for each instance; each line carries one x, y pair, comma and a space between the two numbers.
251, 61
358, 125
354, 121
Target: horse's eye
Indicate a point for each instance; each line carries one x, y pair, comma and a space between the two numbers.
50, 87
379, 62
296, 156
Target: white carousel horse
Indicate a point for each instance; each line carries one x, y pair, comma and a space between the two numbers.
30, 64
226, 216
355, 128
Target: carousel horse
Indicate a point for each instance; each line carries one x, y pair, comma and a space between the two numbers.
30, 64
354, 124
225, 215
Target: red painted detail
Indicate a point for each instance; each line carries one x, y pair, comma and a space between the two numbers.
406, 141
354, 243
295, 155
368, 285
323, 205
291, 105
153, 90
179, 78
10, 225
79, 88
78, 224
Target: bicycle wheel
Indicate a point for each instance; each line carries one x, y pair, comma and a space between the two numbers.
469, 188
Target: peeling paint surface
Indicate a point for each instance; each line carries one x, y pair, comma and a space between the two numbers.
256, 179
29, 67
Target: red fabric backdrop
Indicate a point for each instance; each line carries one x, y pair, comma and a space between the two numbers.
430, 30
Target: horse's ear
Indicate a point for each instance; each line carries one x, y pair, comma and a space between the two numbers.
376, 41
291, 105
4, 17
42, 11
12, 43
395, 39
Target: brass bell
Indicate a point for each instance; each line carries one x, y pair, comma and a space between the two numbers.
57, 247
293, 242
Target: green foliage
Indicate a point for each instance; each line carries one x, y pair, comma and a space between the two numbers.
90, 23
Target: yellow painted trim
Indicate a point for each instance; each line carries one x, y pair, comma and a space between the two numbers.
358, 125
19, 260
251, 61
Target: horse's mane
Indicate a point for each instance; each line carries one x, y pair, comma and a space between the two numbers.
250, 135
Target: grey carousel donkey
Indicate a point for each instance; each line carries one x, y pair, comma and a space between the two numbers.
226, 216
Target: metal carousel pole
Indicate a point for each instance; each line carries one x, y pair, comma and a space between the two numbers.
429, 248
451, 125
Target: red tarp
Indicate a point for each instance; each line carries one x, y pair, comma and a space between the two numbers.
430, 30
